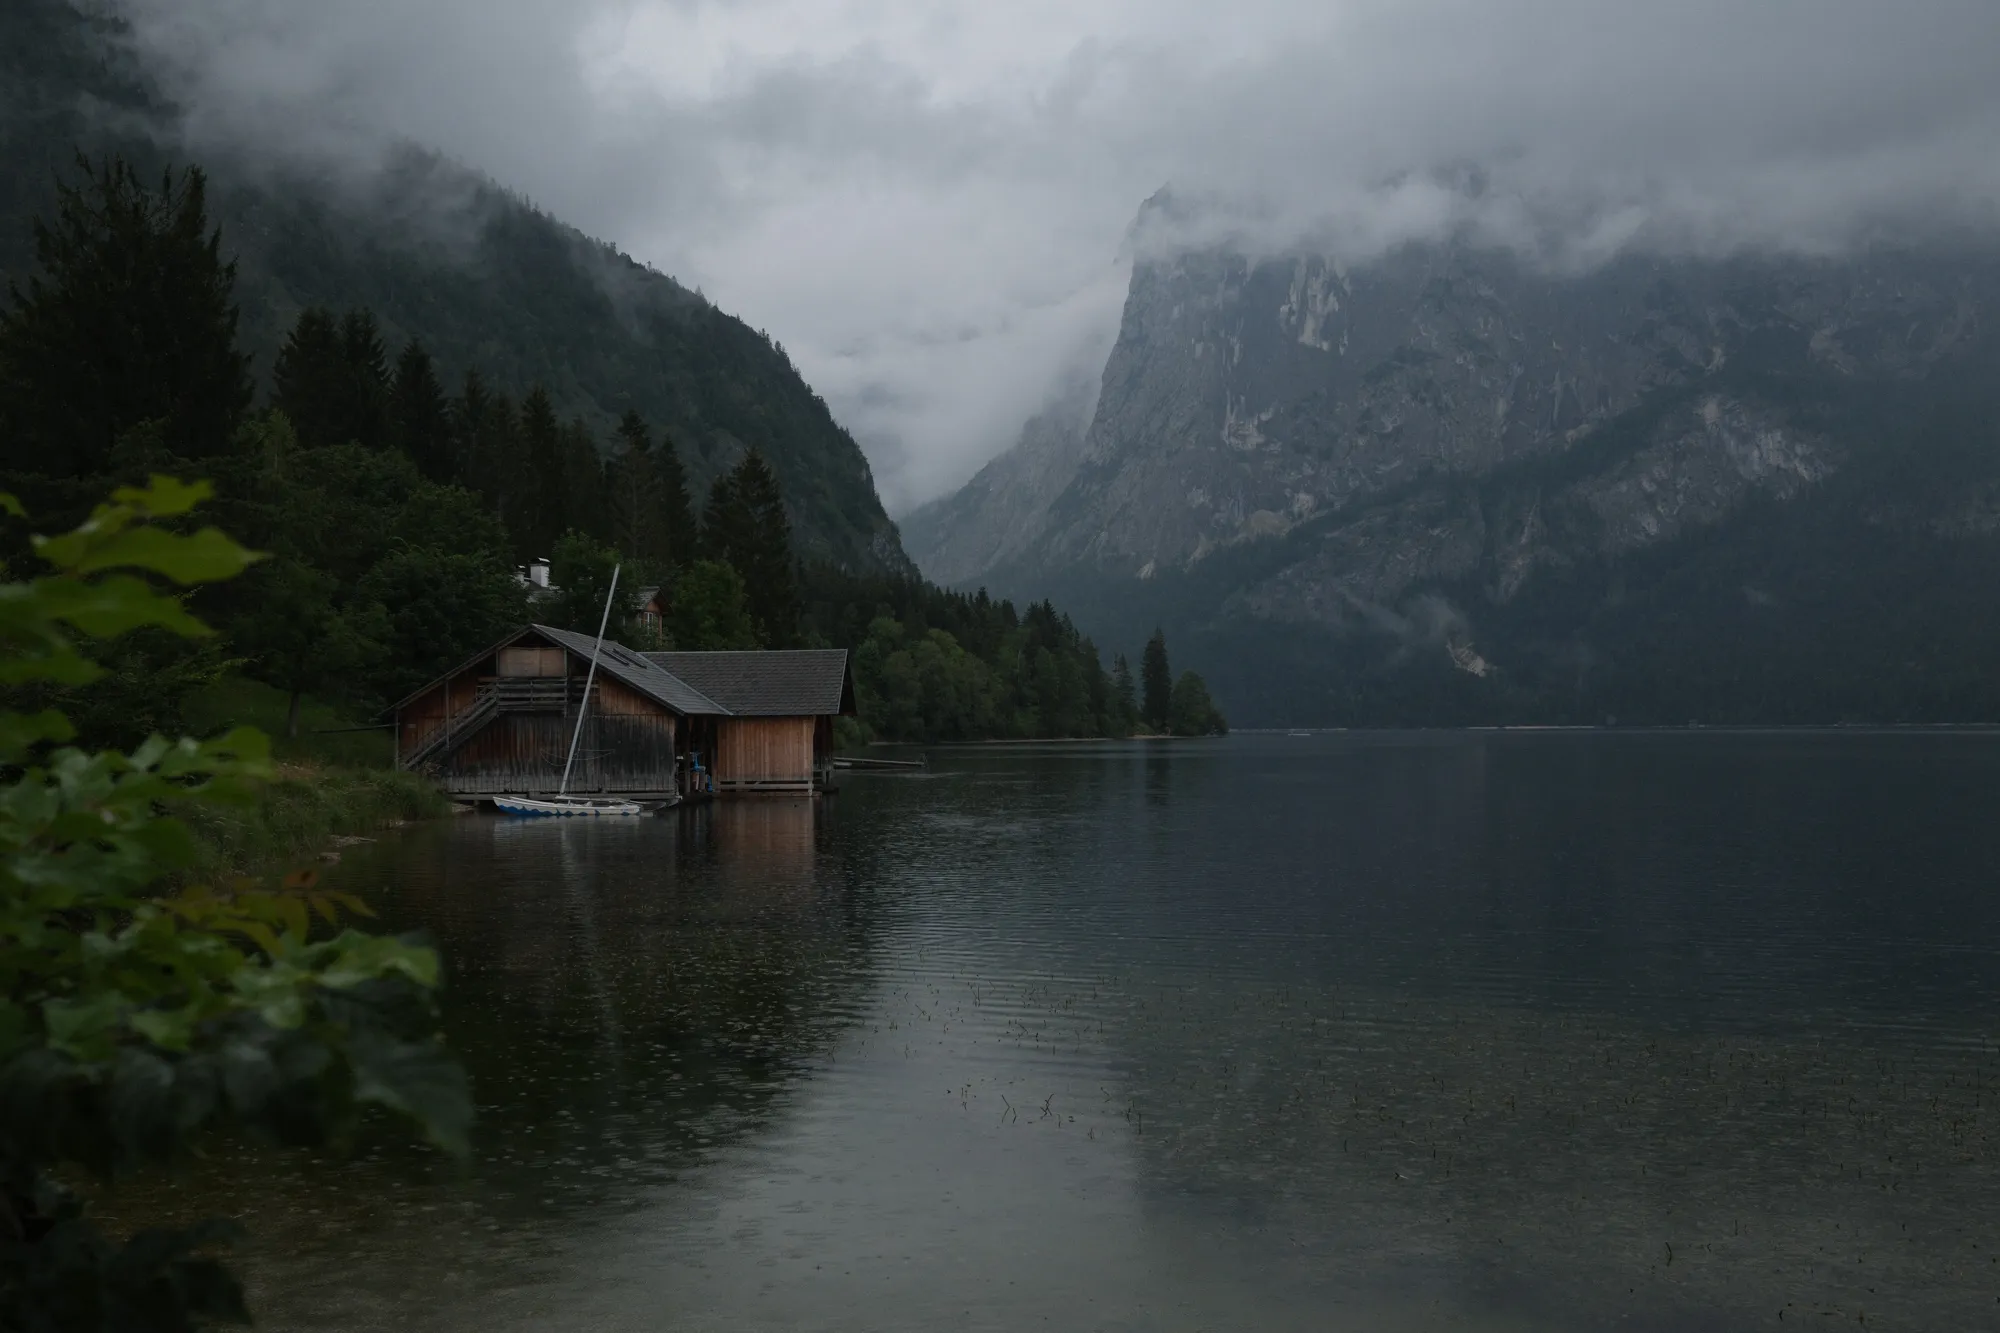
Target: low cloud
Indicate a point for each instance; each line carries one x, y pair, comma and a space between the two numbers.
924, 202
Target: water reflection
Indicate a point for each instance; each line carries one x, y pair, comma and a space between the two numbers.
1334, 1032
629, 999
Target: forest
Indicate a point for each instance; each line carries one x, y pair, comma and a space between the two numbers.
396, 511
438, 252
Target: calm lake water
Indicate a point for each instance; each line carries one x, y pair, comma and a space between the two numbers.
1383, 1032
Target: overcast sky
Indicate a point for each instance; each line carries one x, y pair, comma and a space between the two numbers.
925, 200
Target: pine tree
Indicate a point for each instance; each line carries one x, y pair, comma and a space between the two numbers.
537, 503
634, 498
1157, 680
365, 372
755, 537
306, 379
492, 460
1099, 709
681, 544
132, 318
1124, 700
727, 530
419, 417
331, 378
586, 507
471, 414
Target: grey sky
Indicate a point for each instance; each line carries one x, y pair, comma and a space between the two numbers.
925, 202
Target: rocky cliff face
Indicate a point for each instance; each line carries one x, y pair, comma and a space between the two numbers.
1243, 399
1407, 448
997, 518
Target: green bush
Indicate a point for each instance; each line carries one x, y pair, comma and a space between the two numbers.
138, 1020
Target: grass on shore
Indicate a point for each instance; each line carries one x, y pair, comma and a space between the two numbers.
330, 782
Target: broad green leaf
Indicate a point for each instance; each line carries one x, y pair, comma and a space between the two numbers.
283, 1008
163, 496
259, 933
168, 842
84, 1027
206, 557
352, 903
420, 1080
64, 666
170, 1029
365, 957
292, 911
105, 608
20, 731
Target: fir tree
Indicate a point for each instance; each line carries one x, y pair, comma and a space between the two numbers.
537, 501
491, 460
471, 414
634, 494
419, 417
745, 525
364, 364
681, 543
1124, 699
727, 532
306, 380
585, 503
331, 378
1157, 681
132, 318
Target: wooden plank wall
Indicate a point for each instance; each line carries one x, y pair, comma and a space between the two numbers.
764, 751
430, 710
531, 661
627, 746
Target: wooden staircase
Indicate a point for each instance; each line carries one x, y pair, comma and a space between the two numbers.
496, 695
440, 742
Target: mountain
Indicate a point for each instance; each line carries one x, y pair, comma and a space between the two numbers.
445, 255
1448, 486
998, 516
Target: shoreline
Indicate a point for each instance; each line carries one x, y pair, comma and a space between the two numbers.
1484, 729
306, 813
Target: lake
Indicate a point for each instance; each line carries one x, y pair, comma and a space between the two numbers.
1346, 1031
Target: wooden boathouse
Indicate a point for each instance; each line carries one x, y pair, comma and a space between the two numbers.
500, 723
776, 731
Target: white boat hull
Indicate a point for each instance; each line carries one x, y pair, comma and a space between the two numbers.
568, 806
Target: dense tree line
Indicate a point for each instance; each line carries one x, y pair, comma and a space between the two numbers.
934, 665
397, 512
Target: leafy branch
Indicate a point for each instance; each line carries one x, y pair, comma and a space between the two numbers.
133, 1020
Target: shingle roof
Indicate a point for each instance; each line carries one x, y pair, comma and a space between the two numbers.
648, 677
804, 682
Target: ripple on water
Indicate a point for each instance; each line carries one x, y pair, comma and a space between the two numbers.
1366, 1032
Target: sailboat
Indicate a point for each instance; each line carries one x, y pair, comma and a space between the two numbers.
562, 803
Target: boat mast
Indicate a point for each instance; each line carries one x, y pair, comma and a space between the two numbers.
589, 680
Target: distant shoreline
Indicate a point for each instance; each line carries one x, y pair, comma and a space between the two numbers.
1732, 729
